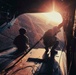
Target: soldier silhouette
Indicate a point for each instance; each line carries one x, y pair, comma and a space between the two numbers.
50, 41
49, 37
21, 41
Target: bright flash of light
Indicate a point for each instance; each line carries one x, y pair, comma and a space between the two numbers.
54, 17
51, 18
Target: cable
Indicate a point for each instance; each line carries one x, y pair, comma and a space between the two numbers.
27, 67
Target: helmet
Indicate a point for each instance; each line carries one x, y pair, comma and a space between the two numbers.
22, 31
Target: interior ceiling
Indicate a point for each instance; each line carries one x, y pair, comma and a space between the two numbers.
8, 8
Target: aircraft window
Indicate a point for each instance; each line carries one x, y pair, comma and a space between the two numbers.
35, 23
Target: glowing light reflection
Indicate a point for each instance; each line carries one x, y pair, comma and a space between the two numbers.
55, 17
52, 18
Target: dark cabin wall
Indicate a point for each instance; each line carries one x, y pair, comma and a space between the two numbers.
69, 29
